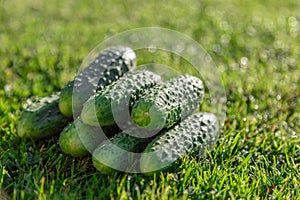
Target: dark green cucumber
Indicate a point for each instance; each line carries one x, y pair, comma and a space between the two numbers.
192, 136
167, 104
78, 139
42, 118
119, 153
120, 95
107, 67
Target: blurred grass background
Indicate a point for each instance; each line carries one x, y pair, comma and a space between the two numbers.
255, 45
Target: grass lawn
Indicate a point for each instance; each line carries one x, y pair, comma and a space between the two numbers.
255, 45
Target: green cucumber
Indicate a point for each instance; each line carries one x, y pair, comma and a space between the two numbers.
118, 153
165, 105
107, 67
78, 139
120, 95
42, 118
192, 136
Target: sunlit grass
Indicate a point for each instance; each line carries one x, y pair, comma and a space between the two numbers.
255, 45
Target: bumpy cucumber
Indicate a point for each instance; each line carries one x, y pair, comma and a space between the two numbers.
193, 135
118, 153
120, 95
42, 118
167, 104
107, 67
78, 139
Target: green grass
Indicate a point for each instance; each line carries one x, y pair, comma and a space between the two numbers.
258, 153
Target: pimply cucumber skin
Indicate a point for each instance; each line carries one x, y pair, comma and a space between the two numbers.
41, 118
120, 95
107, 67
192, 136
117, 152
81, 145
165, 105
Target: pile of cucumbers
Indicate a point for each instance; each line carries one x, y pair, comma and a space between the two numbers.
129, 120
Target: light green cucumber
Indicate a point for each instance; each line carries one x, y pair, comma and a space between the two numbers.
119, 153
165, 105
107, 67
120, 96
42, 118
78, 139
192, 136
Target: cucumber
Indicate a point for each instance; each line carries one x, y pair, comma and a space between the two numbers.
107, 67
78, 139
120, 96
165, 105
41, 118
119, 153
192, 136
